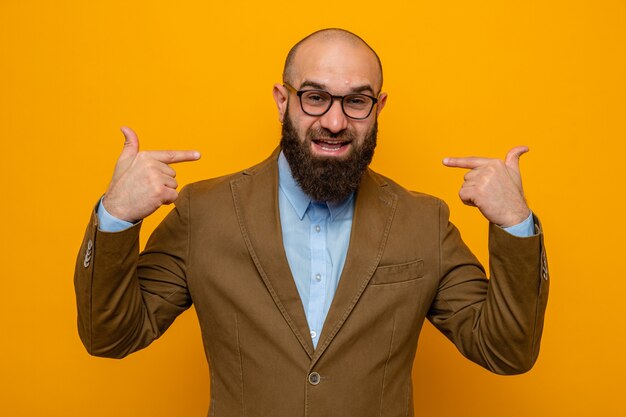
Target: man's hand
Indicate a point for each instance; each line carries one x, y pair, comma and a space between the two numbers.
494, 187
142, 181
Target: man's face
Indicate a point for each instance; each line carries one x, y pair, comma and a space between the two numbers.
332, 140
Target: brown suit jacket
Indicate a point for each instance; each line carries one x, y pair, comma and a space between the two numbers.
221, 249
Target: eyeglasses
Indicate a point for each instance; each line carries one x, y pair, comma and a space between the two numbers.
318, 102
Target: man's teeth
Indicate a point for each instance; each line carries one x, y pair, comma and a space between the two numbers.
330, 146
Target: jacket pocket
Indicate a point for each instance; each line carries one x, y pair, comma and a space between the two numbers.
399, 273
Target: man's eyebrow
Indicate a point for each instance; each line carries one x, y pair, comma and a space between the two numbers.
363, 89
312, 84
354, 90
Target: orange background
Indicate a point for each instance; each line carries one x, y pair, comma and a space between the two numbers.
464, 78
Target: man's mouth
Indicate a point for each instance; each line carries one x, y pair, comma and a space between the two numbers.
331, 145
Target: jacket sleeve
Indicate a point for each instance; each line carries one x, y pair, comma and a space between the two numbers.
126, 300
496, 323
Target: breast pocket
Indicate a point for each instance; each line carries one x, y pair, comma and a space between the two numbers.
398, 274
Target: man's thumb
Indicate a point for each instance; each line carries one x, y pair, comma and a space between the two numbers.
512, 157
131, 143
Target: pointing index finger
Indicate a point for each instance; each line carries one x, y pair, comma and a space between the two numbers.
174, 156
469, 162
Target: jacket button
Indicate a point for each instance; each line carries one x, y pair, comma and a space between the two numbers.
314, 378
88, 253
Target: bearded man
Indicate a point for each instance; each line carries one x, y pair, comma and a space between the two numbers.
311, 274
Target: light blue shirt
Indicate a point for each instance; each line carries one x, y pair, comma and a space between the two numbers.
315, 238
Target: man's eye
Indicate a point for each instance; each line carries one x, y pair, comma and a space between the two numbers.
356, 100
313, 97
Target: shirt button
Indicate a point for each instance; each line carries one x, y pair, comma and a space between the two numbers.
314, 378
317, 228
318, 277
313, 334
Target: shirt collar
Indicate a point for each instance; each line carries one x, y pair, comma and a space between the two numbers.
300, 200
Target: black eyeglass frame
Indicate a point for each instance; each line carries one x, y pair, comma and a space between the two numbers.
330, 103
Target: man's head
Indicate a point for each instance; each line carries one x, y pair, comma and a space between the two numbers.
328, 152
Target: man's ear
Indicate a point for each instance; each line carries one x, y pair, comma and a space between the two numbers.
382, 100
281, 96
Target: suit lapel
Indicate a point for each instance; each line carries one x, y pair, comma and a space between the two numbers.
373, 214
255, 196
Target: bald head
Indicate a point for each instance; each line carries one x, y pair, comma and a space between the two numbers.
330, 37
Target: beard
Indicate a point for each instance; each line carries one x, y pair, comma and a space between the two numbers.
327, 178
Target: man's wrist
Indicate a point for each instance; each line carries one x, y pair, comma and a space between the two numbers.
524, 229
109, 223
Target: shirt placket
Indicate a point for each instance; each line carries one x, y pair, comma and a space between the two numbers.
318, 280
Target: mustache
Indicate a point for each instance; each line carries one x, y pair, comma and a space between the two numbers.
322, 133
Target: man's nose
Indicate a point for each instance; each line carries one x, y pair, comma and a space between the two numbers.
334, 119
